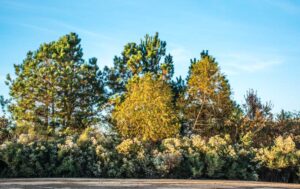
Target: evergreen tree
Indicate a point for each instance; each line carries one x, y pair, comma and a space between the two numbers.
137, 59
4, 121
55, 89
257, 122
179, 91
288, 124
208, 103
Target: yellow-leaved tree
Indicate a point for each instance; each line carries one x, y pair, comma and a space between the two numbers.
147, 112
208, 97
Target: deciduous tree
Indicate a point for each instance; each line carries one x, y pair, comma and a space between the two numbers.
147, 112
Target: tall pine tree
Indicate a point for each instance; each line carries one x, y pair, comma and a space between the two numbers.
149, 56
208, 102
55, 89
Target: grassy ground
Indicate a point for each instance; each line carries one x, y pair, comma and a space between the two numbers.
50, 183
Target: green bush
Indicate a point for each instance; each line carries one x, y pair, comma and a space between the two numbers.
93, 154
280, 161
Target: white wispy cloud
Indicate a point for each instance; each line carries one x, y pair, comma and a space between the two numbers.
241, 62
52, 26
38, 28
79, 29
232, 63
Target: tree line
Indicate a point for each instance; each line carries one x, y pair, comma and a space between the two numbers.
67, 117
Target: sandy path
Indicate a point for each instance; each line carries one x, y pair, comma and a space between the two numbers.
49, 183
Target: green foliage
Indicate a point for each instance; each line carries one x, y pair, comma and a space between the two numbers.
283, 157
55, 89
257, 122
64, 112
4, 129
67, 157
138, 59
188, 157
169, 158
29, 160
135, 158
208, 97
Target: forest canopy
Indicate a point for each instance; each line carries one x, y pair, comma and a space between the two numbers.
66, 117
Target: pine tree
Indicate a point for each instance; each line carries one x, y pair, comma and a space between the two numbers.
5, 122
208, 102
55, 89
149, 56
257, 121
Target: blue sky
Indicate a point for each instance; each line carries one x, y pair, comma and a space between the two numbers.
256, 42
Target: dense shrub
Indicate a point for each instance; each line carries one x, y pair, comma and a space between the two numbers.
280, 161
93, 154
135, 159
71, 157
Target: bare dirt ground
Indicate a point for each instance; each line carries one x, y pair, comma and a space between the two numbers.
63, 183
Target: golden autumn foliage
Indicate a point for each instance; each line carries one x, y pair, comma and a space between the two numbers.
209, 103
147, 111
